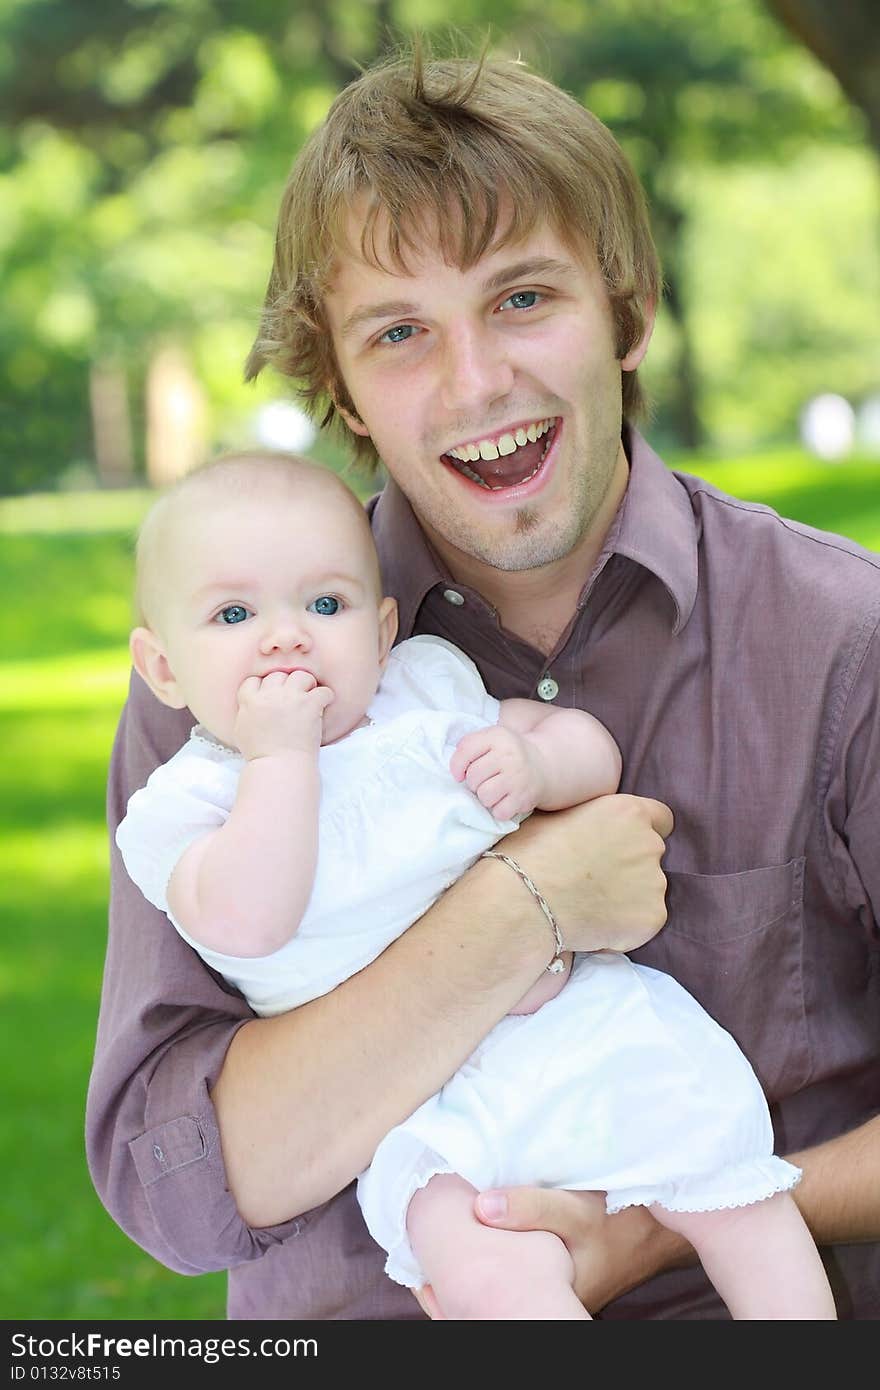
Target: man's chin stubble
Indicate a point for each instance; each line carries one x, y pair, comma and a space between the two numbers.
521, 555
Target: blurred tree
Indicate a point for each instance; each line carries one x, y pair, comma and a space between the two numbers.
684, 86
845, 36
142, 150
143, 146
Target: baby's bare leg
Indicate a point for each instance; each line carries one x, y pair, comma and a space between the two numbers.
761, 1258
478, 1273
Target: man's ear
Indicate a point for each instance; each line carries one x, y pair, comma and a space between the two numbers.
354, 422
636, 353
344, 407
387, 629
149, 660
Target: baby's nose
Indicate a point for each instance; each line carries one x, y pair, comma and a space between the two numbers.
286, 635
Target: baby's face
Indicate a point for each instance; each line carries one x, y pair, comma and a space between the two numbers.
254, 586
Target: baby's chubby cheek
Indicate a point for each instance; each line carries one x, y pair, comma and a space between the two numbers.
340, 721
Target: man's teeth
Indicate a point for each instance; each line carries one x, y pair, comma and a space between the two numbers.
489, 449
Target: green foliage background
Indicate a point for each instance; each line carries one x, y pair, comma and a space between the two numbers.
144, 145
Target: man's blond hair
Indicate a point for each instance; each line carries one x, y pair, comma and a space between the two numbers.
447, 148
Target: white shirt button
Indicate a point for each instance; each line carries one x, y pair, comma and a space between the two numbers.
547, 688
453, 596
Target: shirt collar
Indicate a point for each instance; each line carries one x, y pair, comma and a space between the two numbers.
654, 527
657, 527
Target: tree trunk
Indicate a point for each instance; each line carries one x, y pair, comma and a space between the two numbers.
175, 418
111, 425
845, 36
683, 406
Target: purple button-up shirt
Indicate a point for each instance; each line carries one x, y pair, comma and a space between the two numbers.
735, 657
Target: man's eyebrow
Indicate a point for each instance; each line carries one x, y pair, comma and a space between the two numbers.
526, 270
401, 308
388, 309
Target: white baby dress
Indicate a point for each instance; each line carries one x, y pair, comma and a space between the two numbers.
621, 1084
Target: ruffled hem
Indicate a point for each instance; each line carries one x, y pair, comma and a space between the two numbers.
739, 1186
401, 1264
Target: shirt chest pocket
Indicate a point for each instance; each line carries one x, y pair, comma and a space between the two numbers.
735, 941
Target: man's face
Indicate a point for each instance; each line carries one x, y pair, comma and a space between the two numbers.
492, 395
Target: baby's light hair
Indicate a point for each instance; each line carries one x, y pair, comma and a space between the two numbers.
240, 475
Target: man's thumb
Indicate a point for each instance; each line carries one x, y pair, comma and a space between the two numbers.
538, 1209
492, 1207
514, 1209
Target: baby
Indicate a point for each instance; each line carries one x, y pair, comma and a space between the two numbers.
332, 788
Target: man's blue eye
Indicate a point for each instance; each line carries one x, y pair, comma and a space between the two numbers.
400, 334
235, 613
326, 605
523, 299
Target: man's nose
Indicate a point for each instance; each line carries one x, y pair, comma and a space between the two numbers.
475, 368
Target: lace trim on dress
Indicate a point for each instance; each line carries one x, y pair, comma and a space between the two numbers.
738, 1186
204, 737
401, 1264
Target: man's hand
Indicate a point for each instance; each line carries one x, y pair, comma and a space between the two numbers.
611, 1254
503, 770
280, 713
598, 866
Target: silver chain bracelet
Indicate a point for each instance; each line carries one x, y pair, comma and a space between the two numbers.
557, 963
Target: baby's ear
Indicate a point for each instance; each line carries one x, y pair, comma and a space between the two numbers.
149, 660
387, 628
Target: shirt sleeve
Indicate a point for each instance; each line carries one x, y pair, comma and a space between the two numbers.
165, 1023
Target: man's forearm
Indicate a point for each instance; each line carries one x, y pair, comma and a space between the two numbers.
839, 1193
304, 1098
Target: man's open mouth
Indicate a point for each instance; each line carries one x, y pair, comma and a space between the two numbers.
507, 459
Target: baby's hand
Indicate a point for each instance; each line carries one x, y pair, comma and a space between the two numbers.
279, 713
502, 769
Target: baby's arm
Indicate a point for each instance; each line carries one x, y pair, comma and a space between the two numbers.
243, 889
537, 757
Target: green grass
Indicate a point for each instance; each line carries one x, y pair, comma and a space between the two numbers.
65, 569
843, 497
63, 678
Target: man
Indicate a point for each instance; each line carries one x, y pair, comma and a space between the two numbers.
464, 270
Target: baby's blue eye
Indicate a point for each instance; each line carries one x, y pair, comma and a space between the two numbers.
326, 605
235, 613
